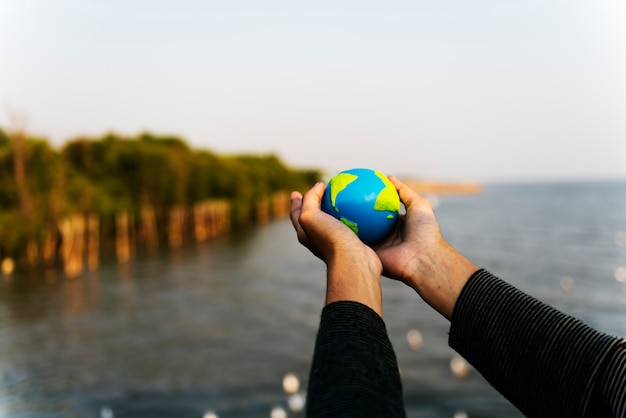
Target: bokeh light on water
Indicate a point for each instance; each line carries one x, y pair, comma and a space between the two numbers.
415, 339
460, 367
567, 284
296, 402
460, 414
291, 383
296, 399
278, 412
106, 412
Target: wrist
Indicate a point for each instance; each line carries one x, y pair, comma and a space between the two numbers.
357, 279
439, 276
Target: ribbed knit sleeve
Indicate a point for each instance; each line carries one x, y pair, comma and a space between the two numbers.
546, 363
354, 372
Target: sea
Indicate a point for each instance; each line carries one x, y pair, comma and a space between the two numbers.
227, 328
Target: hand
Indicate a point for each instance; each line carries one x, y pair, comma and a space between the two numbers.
353, 268
321, 233
417, 254
416, 233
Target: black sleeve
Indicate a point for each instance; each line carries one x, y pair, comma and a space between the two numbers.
546, 363
354, 371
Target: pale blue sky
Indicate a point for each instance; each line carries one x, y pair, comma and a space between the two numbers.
448, 90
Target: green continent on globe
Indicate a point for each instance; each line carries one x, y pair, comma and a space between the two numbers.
387, 199
352, 225
337, 184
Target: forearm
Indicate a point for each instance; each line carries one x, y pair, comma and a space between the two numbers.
545, 362
354, 371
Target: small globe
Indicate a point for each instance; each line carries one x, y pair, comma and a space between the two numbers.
365, 200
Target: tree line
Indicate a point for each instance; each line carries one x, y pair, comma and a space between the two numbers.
146, 181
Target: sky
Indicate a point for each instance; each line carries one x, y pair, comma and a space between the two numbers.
451, 90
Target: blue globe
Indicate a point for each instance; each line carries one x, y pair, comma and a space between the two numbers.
365, 200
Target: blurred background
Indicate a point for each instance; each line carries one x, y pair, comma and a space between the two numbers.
147, 150
447, 90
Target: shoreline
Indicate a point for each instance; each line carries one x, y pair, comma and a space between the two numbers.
444, 188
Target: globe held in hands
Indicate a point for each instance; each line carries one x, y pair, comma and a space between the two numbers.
365, 200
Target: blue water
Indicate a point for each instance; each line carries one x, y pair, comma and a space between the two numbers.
215, 327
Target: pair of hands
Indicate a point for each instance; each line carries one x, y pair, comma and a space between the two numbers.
415, 253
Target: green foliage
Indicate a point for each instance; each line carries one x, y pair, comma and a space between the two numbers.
24, 211
111, 173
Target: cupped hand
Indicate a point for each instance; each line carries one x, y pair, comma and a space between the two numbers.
416, 234
418, 255
324, 235
353, 269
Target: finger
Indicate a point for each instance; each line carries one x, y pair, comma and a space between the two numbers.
296, 207
407, 195
311, 207
312, 199
404, 191
294, 215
